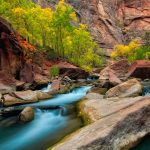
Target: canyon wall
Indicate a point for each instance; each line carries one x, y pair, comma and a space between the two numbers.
11, 54
111, 21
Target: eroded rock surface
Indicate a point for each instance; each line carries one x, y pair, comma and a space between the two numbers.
115, 131
114, 74
139, 69
11, 100
24, 97
27, 95
129, 88
97, 107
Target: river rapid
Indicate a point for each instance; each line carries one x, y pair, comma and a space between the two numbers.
49, 125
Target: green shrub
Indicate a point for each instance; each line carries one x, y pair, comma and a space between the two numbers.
54, 71
141, 53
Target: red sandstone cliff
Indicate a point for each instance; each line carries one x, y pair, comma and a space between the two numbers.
111, 21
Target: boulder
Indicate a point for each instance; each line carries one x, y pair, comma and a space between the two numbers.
40, 79
113, 79
92, 95
10, 100
114, 74
73, 72
139, 69
129, 88
117, 130
27, 114
20, 84
43, 95
108, 78
23, 97
28, 96
56, 84
99, 90
66, 79
95, 106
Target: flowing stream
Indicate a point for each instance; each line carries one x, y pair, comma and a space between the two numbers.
145, 143
48, 127
146, 90
47, 88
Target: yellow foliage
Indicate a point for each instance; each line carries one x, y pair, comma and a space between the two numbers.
125, 50
73, 16
18, 11
83, 26
61, 4
148, 55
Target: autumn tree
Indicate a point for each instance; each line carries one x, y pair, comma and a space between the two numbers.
57, 31
133, 51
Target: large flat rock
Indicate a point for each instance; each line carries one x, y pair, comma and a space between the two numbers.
96, 109
120, 126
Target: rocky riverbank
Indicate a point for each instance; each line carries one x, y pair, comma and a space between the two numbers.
117, 124
118, 121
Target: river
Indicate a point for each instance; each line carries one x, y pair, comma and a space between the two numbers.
145, 143
48, 127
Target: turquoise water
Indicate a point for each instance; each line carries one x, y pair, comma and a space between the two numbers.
144, 144
146, 90
48, 126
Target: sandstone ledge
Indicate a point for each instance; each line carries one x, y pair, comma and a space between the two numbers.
115, 131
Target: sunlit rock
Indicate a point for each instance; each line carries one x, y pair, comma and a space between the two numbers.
28, 95
121, 129
27, 114
10, 100
129, 88
42, 95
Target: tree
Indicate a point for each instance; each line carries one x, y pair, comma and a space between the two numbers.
125, 51
57, 31
133, 51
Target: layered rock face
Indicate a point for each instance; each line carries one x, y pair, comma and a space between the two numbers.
111, 22
10, 51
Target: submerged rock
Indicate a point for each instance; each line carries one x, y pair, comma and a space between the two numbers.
129, 88
27, 114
